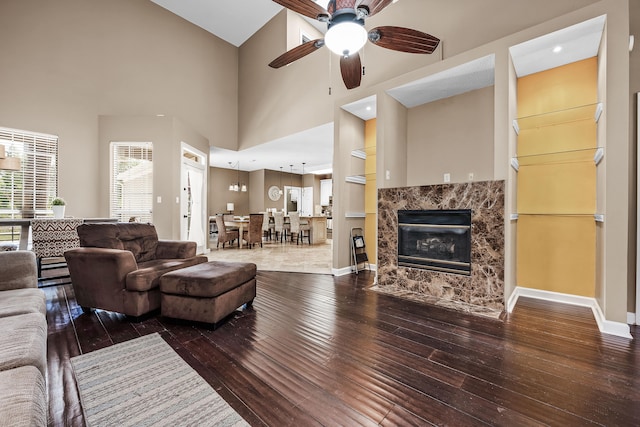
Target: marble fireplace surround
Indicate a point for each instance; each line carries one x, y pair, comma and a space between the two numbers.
482, 292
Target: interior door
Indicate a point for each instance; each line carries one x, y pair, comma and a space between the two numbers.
306, 207
193, 221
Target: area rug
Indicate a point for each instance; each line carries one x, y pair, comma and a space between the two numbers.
144, 382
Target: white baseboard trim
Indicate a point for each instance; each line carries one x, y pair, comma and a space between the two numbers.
341, 271
632, 319
349, 270
606, 326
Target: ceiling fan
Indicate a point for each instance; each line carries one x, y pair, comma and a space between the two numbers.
346, 34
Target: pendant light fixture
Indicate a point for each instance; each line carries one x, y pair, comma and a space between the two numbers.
236, 186
281, 187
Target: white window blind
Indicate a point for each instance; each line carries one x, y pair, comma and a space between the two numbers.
131, 181
27, 193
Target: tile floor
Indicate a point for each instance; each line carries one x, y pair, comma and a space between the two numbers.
276, 256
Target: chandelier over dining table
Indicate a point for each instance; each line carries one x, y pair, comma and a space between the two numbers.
237, 186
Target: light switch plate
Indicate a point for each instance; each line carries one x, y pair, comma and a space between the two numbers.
447, 177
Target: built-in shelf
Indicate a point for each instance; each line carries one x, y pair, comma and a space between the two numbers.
355, 215
554, 118
569, 156
596, 217
356, 179
362, 153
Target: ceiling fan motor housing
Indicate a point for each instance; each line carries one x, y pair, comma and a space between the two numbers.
344, 15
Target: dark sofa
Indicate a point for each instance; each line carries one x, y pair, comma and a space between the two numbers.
118, 266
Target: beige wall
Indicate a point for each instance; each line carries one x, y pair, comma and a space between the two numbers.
613, 299
67, 62
453, 135
166, 134
277, 103
634, 87
219, 194
391, 144
257, 191
256, 199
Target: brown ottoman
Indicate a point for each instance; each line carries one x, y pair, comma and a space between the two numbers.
207, 292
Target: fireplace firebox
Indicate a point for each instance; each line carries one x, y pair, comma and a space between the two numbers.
438, 240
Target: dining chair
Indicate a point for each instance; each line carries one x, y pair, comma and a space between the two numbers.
299, 229
225, 235
267, 225
51, 237
229, 217
254, 234
279, 225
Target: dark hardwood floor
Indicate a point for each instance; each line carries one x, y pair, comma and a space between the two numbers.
319, 350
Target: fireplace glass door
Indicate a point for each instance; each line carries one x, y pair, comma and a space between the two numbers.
438, 240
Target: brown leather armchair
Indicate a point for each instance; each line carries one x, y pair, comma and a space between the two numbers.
118, 266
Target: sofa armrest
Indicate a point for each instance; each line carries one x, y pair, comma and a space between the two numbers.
19, 270
99, 274
172, 249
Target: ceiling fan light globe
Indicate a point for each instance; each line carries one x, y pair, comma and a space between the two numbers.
345, 38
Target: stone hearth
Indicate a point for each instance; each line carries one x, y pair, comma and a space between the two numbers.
483, 291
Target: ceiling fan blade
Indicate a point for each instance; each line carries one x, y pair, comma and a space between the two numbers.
375, 6
403, 39
296, 53
306, 8
351, 69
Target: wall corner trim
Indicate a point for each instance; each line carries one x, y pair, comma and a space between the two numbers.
605, 326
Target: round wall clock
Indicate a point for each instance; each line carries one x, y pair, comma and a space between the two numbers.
274, 193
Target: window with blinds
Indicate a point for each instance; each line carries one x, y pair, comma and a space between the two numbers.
27, 193
131, 181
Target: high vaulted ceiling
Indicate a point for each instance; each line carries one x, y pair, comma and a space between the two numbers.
235, 21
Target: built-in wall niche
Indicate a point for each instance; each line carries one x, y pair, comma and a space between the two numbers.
469, 76
557, 156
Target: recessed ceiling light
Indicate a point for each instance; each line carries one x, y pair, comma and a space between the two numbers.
557, 49
368, 108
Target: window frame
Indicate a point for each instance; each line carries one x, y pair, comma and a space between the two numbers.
141, 152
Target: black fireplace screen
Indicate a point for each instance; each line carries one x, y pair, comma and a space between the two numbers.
437, 240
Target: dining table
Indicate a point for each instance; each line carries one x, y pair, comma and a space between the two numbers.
25, 225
